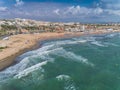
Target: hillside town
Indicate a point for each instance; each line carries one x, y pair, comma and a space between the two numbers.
26, 26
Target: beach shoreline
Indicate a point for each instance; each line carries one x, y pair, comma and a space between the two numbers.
19, 44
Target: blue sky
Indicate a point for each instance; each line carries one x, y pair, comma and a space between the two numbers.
62, 10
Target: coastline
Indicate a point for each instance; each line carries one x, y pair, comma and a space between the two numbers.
19, 44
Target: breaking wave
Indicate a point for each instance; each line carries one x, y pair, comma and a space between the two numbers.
30, 69
71, 56
69, 84
97, 43
34, 60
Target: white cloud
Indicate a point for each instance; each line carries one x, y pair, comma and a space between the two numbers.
60, 12
97, 11
3, 9
113, 12
74, 10
77, 11
56, 11
111, 7
19, 3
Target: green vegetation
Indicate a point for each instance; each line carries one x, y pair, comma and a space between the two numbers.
3, 47
30, 27
6, 29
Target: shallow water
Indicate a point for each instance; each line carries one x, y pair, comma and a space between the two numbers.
83, 63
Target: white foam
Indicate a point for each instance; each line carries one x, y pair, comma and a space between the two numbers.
29, 70
103, 44
66, 42
69, 83
66, 54
11, 71
42, 53
70, 87
26, 66
63, 77
90, 38
111, 35
82, 41
62, 42
34, 52
98, 43
111, 44
25, 63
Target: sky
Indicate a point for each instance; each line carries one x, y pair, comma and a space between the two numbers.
91, 11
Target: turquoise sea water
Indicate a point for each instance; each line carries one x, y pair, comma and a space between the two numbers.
82, 63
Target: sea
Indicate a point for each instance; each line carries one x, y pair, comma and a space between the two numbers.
90, 62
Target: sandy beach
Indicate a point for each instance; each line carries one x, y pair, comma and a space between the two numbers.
19, 44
